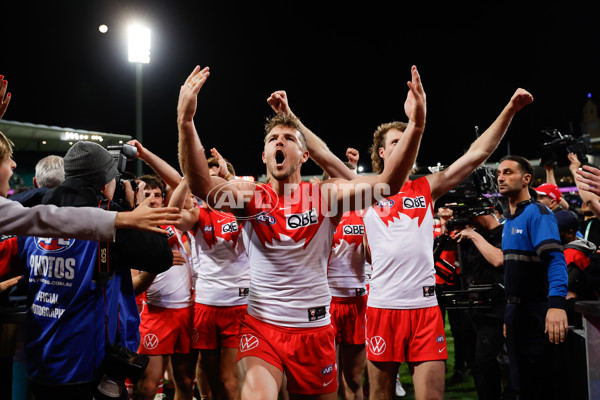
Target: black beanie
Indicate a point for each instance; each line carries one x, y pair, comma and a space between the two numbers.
90, 162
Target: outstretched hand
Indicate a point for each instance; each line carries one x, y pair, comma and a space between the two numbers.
145, 218
415, 104
589, 178
223, 171
188, 94
4, 97
279, 102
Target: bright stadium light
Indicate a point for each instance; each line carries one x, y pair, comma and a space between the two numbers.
139, 44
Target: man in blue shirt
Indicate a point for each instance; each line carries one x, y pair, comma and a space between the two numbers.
535, 281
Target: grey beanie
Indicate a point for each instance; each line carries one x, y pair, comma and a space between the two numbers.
90, 162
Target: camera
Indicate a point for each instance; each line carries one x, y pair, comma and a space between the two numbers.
473, 197
123, 153
120, 363
556, 151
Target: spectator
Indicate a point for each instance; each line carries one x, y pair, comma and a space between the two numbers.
549, 195
578, 252
49, 173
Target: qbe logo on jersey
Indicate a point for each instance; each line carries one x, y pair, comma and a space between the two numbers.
229, 228
354, 230
414, 202
376, 345
295, 221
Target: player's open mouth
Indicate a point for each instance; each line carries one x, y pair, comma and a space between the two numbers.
279, 157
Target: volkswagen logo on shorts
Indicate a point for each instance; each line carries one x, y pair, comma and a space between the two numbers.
150, 341
248, 342
376, 345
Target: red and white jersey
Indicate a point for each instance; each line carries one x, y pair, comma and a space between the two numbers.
173, 288
221, 265
399, 230
346, 270
288, 243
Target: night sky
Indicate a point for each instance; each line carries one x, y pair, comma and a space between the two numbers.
344, 68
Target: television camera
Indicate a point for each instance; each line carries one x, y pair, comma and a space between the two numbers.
556, 151
121, 154
475, 196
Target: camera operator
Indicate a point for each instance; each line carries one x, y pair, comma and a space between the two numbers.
74, 301
482, 263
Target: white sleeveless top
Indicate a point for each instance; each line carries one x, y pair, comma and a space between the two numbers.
399, 231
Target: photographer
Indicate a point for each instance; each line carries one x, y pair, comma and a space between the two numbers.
482, 263
77, 297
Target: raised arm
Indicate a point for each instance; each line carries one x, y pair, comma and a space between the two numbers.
588, 197
4, 97
441, 182
162, 168
192, 158
317, 148
397, 166
189, 217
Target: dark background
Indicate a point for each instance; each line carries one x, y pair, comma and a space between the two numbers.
344, 68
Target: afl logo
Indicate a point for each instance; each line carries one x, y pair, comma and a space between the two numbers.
265, 219
327, 370
386, 203
53, 245
440, 339
208, 228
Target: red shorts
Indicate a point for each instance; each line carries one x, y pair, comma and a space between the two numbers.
216, 327
348, 319
405, 335
306, 355
166, 330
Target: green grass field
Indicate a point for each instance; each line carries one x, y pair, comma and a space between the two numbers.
453, 391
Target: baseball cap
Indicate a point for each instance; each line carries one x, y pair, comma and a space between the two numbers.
566, 220
90, 162
549, 189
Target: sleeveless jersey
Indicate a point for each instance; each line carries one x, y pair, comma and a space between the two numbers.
346, 270
222, 269
399, 230
288, 243
172, 288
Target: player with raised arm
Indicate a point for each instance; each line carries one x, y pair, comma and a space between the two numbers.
290, 230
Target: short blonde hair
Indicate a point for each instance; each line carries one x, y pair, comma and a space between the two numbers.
6, 147
379, 141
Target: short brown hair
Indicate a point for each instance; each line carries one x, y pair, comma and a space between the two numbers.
288, 121
379, 141
6, 146
153, 182
525, 166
